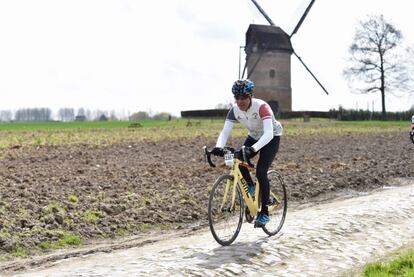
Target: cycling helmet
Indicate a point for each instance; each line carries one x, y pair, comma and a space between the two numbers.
242, 87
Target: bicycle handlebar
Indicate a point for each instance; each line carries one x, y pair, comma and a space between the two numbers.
207, 156
238, 154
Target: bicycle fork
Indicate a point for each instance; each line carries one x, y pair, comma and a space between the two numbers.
232, 207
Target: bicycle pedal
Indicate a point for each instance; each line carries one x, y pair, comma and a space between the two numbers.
274, 202
258, 225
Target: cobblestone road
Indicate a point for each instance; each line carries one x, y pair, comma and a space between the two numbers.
324, 240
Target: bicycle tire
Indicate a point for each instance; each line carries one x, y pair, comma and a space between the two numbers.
277, 205
412, 136
225, 222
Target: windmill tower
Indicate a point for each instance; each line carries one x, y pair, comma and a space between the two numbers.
268, 51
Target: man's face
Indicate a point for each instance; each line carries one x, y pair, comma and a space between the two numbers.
243, 102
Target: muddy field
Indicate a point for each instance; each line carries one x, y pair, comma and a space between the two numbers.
52, 197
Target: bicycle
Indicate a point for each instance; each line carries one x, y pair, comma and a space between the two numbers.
230, 199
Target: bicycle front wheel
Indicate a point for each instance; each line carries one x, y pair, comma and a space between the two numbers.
225, 210
278, 203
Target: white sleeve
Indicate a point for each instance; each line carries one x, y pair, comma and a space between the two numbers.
224, 135
267, 134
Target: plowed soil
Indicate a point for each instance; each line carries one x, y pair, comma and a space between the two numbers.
49, 194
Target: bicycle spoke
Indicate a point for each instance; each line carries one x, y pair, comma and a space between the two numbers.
225, 210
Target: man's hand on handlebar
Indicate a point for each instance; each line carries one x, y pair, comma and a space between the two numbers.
249, 151
243, 154
218, 151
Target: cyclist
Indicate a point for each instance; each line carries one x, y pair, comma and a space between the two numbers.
263, 137
412, 122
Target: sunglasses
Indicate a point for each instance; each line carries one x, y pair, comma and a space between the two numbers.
241, 97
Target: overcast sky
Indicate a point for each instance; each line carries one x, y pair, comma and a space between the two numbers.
168, 56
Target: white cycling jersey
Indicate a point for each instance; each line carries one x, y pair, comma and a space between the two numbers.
258, 119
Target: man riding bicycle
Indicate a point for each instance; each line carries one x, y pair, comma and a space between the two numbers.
263, 137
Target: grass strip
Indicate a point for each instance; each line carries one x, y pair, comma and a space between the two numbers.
400, 266
116, 132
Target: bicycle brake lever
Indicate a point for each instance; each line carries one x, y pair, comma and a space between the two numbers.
207, 155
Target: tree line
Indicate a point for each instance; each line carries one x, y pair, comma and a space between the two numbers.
63, 114
70, 114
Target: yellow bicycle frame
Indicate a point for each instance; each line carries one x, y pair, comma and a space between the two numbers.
251, 202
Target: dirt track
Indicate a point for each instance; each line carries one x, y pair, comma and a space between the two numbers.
96, 193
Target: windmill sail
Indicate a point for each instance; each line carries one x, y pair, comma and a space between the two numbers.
294, 31
302, 18
314, 77
263, 12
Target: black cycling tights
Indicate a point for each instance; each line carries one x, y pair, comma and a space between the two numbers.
266, 157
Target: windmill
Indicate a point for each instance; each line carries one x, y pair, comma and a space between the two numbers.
268, 51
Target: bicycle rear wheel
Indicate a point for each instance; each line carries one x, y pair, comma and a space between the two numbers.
225, 210
277, 205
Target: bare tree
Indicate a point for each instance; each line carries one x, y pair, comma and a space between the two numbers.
81, 112
33, 114
6, 115
162, 116
141, 115
66, 114
112, 116
379, 62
